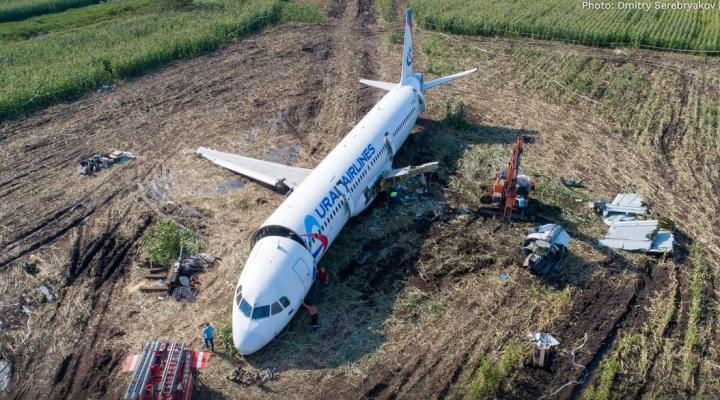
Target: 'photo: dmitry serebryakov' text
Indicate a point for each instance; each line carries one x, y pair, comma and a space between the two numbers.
658, 5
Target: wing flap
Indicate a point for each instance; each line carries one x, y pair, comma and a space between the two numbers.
264, 171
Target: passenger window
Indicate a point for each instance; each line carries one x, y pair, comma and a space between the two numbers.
245, 307
284, 301
261, 312
275, 308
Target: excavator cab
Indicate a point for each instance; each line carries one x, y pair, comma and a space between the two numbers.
499, 187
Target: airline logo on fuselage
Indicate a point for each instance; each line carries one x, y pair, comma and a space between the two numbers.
333, 196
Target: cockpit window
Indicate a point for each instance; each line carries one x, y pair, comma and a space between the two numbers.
284, 301
245, 307
275, 308
261, 312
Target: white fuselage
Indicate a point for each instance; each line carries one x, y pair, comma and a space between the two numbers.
287, 247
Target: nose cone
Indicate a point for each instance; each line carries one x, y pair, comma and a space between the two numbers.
248, 342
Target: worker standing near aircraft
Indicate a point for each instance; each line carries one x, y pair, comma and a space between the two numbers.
209, 335
394, 198
313, 310
323, 277
522, 205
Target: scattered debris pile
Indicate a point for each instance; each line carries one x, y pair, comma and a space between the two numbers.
543, 351
572, 182
249, 378
30, 265
47, 292
96, 162
625, 207
181, 281
164, 371
630, 229
544, 248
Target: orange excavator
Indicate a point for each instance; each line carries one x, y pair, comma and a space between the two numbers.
511, 189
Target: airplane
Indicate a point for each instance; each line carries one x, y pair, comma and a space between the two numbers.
286, 249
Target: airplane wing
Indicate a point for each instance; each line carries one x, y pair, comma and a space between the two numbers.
271, 173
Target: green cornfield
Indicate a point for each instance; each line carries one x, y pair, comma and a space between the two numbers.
61, 65
567, 20
70, 19
16, 10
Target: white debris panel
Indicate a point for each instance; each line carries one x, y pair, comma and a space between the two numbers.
551, 233
543, 340
638, 236
624, 207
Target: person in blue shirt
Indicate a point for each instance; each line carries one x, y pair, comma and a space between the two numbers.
522, 205
209, 334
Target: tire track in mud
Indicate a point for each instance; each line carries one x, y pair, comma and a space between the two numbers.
59, 222
607, 342
104, 266
88, 368
667, 333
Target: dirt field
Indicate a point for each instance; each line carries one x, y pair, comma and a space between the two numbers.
416, 304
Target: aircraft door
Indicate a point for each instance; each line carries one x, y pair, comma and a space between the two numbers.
345, 194
304, 273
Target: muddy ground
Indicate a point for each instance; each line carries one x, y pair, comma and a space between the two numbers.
416, 303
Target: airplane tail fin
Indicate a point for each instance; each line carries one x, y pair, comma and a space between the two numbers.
407, 67
408, 76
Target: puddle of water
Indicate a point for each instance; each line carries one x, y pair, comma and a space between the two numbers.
283, 154
228, 186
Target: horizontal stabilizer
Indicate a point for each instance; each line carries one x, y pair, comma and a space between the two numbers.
379, 84
267, 172
446, 79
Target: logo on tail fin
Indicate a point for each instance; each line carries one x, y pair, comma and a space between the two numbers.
408, 61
